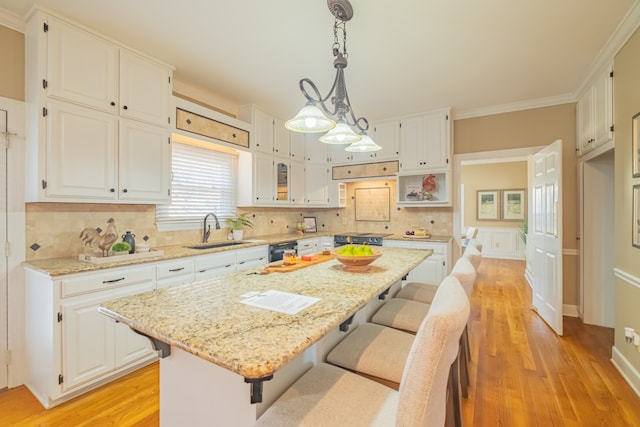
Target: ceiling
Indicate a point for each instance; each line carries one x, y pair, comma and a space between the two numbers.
404, 57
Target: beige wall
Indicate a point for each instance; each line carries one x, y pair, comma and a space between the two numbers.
626, 105
12, 69
494, 176
531, 128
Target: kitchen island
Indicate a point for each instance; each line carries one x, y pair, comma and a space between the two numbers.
224, 353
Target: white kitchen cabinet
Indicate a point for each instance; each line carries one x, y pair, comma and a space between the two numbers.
175, 272
81, 150
433, 269
595, 113
80, 67
425, 142
255, 256
262, 136
281, 139
308, 246
80, 88
297, 146
144, 162
296, 183
145, 89
316, 184
70, 346
264, 184
315, 152
387, 135
212, 265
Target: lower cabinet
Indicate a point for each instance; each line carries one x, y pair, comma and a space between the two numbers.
71, 347
433, 269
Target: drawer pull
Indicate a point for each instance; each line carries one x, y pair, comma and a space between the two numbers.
113, 281
173, 270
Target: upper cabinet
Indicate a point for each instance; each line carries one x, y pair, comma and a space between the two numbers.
98, 118
595, 113
425, 142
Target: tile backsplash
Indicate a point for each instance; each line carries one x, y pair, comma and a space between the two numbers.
53, 229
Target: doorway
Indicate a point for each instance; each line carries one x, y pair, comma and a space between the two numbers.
597, 247
4, 294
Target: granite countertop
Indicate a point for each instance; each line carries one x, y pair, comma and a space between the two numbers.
69, 265
207, 319
433, 239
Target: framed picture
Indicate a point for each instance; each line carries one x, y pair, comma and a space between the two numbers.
634, 146
309, 224
513, 205
488, 202
635, 227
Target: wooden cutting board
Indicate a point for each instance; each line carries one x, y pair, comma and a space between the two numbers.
281, 268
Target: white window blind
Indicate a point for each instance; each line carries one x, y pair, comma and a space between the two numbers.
203, 181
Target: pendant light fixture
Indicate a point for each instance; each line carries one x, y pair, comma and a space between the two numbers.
338, 120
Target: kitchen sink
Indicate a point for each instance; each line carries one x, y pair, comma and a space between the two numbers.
214, 245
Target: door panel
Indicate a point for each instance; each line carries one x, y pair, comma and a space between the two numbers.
546, 234
4, 344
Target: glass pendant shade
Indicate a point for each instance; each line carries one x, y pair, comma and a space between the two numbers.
341, 134
310, 119
366, 144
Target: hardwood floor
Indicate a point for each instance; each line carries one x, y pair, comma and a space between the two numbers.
522, 374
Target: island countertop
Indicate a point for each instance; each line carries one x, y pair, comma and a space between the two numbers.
207, 319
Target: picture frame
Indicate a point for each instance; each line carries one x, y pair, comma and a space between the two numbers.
513, 205
635, 226
635, 155
487, 205
310, 225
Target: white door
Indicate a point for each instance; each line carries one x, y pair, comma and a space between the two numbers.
4, 312
545, 233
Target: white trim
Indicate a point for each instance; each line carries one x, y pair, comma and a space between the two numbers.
11, 20
570, 310
627, 277
626, 369
15, 237
514, 106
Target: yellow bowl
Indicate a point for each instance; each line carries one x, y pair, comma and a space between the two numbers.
356, 263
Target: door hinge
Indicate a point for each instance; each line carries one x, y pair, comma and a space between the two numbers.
59, 317
44, 84
443, 264
169, 140
60, 379
169, 193
169, 78
45, 112
447, 117
611, 74
44, 184
45, 27
612, 128
7, 247
169, 120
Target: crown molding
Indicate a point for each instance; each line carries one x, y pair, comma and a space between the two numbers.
515, 106
11, 20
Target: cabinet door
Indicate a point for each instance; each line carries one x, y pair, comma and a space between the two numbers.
297, 183
252, 257
263, 132
281, 139
81, 67
145, 162
131, 346
283, 178
585, 122
339, 155
436, 143
431, 270
81, 152
412, 143
296, 146
603, 108
145, 89
263, 179
88, 341
316, 180
314, 150
387, 135
215, 265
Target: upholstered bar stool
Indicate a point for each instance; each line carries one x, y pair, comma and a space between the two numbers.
328, 396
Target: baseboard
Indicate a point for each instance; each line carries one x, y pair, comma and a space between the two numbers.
570, 310
626, 369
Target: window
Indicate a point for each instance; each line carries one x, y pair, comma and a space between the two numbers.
203, 180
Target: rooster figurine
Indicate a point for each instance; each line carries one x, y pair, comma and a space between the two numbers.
429, 185
91, 237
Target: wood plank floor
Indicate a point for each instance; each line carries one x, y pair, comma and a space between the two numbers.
522, 374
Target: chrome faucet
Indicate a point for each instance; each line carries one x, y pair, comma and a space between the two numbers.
206, 232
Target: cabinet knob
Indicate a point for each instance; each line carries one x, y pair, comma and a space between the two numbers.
233, 135
124, 191
113, 190
113, 104
188, 121
125, 107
